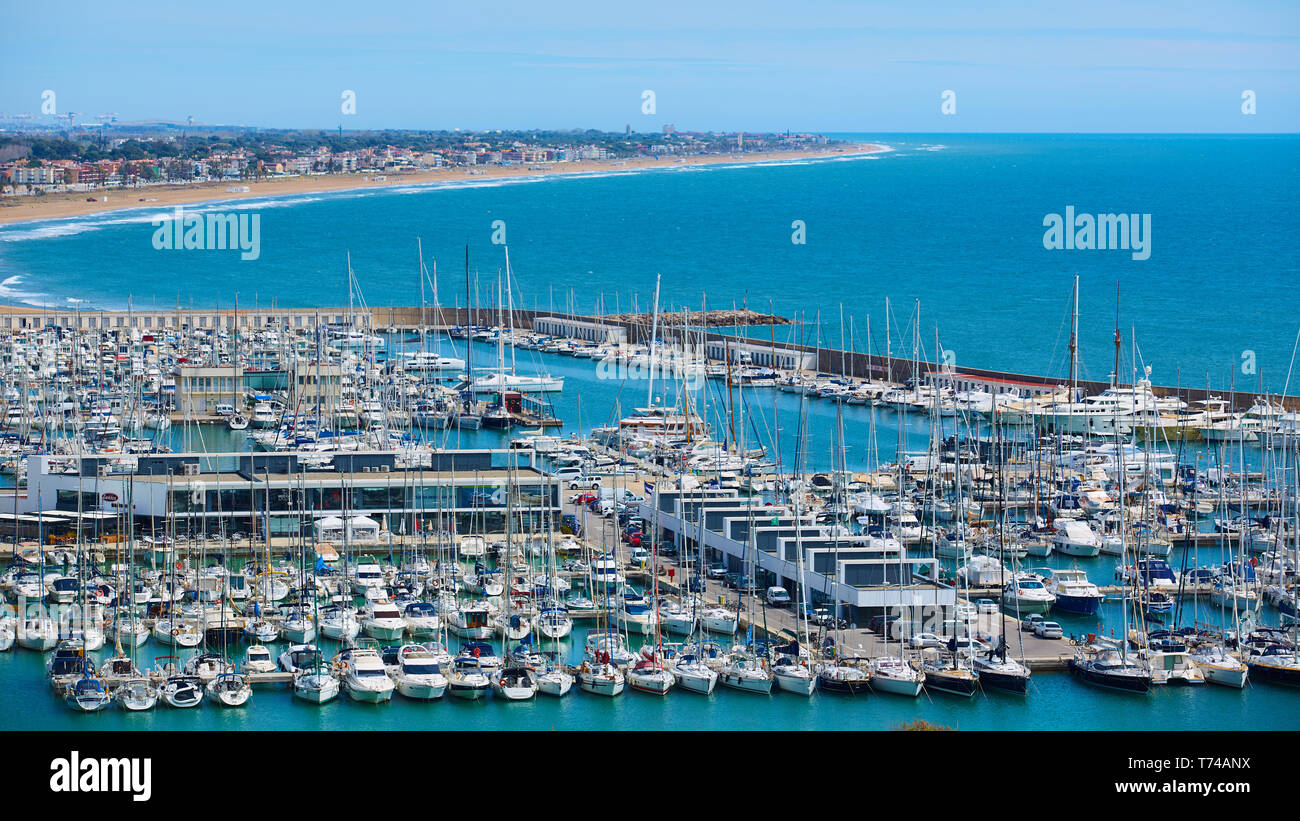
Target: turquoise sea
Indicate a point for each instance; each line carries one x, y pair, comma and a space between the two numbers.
952, 221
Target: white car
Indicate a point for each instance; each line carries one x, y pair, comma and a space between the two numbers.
584, 483
924, 640
1048, 630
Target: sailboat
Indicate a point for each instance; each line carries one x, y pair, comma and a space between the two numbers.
87, 694
1101, 664
313, 680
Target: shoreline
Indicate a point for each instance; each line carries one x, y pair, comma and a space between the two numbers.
16, 210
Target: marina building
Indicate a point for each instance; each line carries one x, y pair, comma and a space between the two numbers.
286, 493
866, 575
760, 355
200, 389
580, 329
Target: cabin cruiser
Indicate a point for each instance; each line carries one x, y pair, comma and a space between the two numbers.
472, 620
263, 416
983, 571
365, 577
467, 678
422, 618
257, 659
1074, 593
419, 675
1074, 537
383, 621
364, 676
1026, 593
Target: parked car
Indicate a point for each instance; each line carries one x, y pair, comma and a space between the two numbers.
968, 645
778, 596
924, 640
1031, 621
640, 556
819, 614
879, 624
582, 498
1048, 630
717, 570
584, 482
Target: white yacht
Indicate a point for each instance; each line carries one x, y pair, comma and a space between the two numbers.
419, 675
383, 621
1026, 593
1074, 537
364, 675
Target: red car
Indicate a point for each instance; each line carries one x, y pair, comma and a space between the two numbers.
584, 498
634, 538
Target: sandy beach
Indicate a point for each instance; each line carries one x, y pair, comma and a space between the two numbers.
63, 205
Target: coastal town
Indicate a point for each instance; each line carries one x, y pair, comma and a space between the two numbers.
106, 157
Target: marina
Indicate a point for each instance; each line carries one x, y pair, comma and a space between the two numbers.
313, 507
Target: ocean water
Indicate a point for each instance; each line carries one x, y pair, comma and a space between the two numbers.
954, 222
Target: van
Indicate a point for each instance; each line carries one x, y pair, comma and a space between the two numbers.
568, 472
777, 596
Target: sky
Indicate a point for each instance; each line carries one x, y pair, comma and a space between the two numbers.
1100, 66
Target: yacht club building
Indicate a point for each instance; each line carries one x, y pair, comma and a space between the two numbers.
867, 575
461, 491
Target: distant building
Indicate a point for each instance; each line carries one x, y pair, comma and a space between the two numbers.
200, 389
579, 329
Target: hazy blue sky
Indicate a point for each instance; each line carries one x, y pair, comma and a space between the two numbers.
1102, 65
